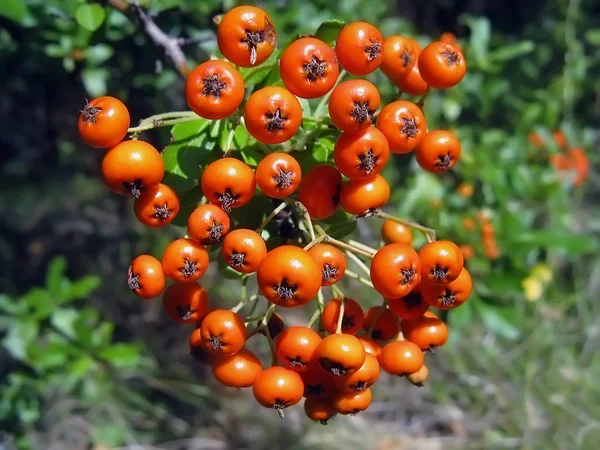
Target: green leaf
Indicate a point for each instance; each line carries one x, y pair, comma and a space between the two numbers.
97, 54
499, 320
480, 38
342, 229
41, 302
121, 355
253, 213
190, 149
15, 10
80, 289
20, 335
576, 244
329, 30
593, 36
12, 306
64, 320
54, 275
90, 16
251, 155
513, 51
188, 202
95, 81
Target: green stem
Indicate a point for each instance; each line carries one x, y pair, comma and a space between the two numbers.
377, 317
314, 242
359, 263
307, 219
337, 291
338, 328
325, 98
357, 277
229, 141
362, 246
421, 101
313, 319
163, 120
429, 233
274, 213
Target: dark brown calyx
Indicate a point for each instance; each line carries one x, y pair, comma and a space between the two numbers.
408, 275
256, 37
215, 231
406, 57
444, 162
373, 50
324, 422
237, 260
189, 268
296, 362
333, 367
275, 121
336, 197
314, 69
136, 188
347, 322
226, 199
215, 342
377, 334
359, 386
162, 212
133, 280
439, 273
452, 57
280, 405
283, 179
90, 113
328, 273
314, 389
213, 86
409, 127
371, 212
448, 298
184, 311
285, 290
361, 112
368, 161
412, 300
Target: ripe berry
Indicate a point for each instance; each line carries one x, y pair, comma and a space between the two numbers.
442, 65
394, 232
296, 348
157, 207
223, 332
229, 183
399, 56
278, 175
320, 191
438, 151
427, 332
403, 124
243, 250
278, 388
410, 306
331, 262
401, 358
361, 155
145, 277
387, 326
441, 262
419, 377
395, 270
451, 295
352, 320
319, 409
363, 378
341, 354
352, 402
239, 370
185, 303
185, 261
208, 224
359, 48
352, 105
317, 383
365, 197
103, 122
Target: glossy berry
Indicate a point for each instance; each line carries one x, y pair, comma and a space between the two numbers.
352, 105
410, 306
243, 250
319, 409
352, 320
363, 378
359, 48
103, 122
341, 354
428, 332
278, 175
438, 151
331, 262
419, 377
441, 262
387, 325
396, 233
403, 124
198, 352
278, 388
145, 277
320, 191
223, 332
157, 207
361, 155
351, 402
451, 295
246, 36
288, 276
400, 55
371, 346
185, 261
208, 224
401, 358
308, 68
395, 270
239, 370
229, 183
272, 115
185, 303
412, 83
132, 168
442, 65
214, 89
317, 383
364, 197
296, 348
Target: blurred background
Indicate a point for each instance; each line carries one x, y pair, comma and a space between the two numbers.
86, 365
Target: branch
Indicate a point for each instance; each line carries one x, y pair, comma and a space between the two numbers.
171, 45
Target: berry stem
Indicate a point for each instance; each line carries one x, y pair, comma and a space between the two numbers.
243, 294
421, 101
325, 100
358, 278
316, 315
271, 216
338, 328
320, 300
377, 317
352, 248
307, 219
359, 262
314, 242
163, 120
337, 292
264, 326
429, 233
362, 246
227, 148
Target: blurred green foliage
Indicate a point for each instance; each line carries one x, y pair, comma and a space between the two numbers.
519, 368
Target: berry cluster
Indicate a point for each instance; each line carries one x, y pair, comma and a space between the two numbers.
335, 367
